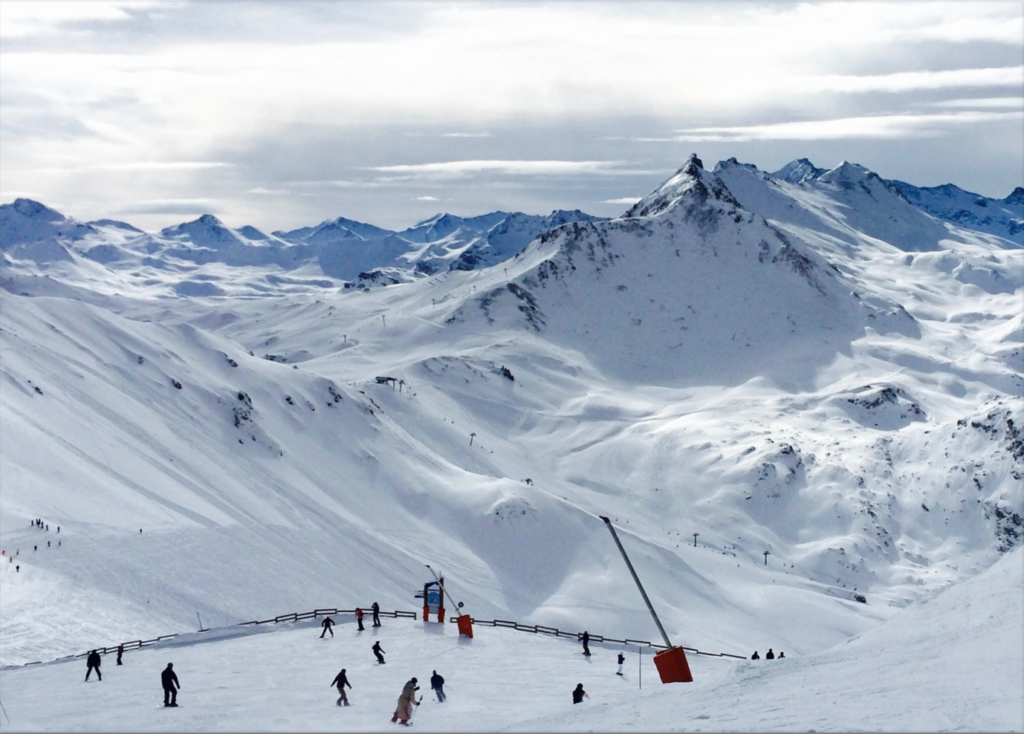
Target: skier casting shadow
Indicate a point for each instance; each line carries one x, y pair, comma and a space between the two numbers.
586, 643
437, 683
93, 663
341, 680
327, 624
377, 650
169, 679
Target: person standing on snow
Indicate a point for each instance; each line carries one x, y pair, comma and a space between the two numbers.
120, 652
327, 624
169, 679
578, 694
93, 663
377, 650
770, 655
622, 661
405, 703
341, 680
782, 655
437, 683
359, 618
586, 643
376, 614
755, 656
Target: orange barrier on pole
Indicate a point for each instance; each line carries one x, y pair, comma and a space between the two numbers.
672, 666
465, 623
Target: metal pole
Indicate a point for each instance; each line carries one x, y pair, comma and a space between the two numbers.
637, 580
200, 621
640, 667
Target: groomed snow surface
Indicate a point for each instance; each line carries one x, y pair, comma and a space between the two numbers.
951, 663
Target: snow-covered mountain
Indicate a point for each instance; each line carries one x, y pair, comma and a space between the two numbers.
808, 365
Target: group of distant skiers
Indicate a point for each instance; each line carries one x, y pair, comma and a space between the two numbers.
768, 655
38, 524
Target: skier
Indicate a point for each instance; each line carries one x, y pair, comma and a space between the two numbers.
376, 614
586, 643
327, 624
755, 656
47, 544
579, 694
359, 618
35, 547
120, 652
93, 663
405, 703
341, 680
17, 569
437, 683
171, 685
770, 655
377, 650
781, 655
622, 660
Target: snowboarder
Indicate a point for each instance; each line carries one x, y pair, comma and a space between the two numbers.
781, 655
405, 703
769, 655
327, 624
171, 685
437, 683
622, 661
359, 618
376, 614
377, 650
586, 643
93, 663
578, 694
755, 656
341, 680
120, 652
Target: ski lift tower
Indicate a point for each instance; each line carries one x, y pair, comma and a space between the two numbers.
671, 663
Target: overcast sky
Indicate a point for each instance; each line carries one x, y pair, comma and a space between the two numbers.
284, 114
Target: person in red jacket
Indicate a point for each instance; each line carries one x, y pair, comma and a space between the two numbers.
359, 618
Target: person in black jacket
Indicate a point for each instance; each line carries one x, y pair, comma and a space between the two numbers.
770, 655
586, 643
377, 650
376, 614
437, 683
755, 656
341, 680
170, 682
93, 663
327, 624
578, 694
120, 652
622, 660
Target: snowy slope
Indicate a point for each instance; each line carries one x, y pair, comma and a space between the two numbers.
949, 663
703, 365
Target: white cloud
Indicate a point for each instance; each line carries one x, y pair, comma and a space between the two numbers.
267, 192
162, 166
877, 127
623, 200
467, 135
170, 206
426, 198
460, 169
1011, 76
1013, 103
21, 19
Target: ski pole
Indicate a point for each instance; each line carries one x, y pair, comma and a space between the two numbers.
5, 712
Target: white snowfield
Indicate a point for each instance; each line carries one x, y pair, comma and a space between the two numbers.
951, 663
806, 363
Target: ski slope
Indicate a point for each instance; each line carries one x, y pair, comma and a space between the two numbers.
806, 365
950, 663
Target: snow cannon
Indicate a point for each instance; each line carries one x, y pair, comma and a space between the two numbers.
671, 663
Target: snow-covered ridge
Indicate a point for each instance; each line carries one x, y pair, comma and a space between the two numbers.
820, 370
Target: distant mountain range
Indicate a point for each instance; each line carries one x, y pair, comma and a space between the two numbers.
841, 204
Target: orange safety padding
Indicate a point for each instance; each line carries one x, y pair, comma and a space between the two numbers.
672, 666
465, 623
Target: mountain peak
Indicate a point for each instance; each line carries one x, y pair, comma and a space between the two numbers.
798, 171
1016, 197
34, 210
690, 183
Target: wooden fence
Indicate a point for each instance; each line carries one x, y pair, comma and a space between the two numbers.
540, 629
399, 614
